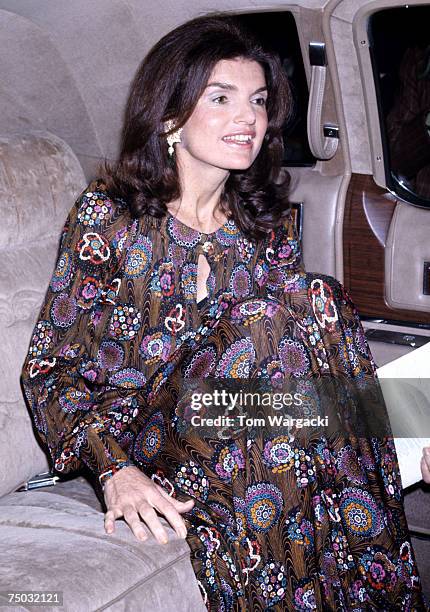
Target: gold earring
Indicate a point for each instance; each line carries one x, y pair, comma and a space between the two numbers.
174, 137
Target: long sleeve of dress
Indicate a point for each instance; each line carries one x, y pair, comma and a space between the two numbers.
60, 379
280, 266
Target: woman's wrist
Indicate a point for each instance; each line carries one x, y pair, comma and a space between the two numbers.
112, 469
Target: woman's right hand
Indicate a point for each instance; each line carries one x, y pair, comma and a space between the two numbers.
130, 493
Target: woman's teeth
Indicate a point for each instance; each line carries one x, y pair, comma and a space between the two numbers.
240, 138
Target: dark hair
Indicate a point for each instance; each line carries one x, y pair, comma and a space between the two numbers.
168, 85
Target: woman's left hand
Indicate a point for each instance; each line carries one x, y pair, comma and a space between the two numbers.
425, 464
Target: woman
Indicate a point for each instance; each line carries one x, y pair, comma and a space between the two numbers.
180, 264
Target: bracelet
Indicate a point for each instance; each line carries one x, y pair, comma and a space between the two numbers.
113, 469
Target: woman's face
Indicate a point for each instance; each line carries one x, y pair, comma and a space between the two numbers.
227, 127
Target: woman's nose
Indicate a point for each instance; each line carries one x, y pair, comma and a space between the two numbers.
245, 113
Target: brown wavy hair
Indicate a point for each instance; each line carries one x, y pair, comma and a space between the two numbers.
167, 85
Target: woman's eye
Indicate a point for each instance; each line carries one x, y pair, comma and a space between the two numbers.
259, 101
219, 98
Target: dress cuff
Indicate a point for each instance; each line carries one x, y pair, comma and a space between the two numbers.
104, 456
113, 469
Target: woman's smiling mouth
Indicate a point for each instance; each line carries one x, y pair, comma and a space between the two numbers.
239, 140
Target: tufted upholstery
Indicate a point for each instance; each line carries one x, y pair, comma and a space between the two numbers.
53, 539
39, 180
49, 535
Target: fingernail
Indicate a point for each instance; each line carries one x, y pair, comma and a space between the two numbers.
427, 452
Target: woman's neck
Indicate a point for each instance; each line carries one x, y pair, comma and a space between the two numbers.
202, 187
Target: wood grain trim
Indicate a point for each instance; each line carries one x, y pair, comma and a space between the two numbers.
368, 212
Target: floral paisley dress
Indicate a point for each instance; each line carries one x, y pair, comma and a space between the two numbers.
277, 524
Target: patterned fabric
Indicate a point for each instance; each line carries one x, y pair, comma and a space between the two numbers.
278, 523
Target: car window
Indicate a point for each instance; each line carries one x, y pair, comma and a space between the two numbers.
400, 50
278, 31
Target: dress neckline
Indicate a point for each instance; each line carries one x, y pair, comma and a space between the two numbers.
189, 238
188, 228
